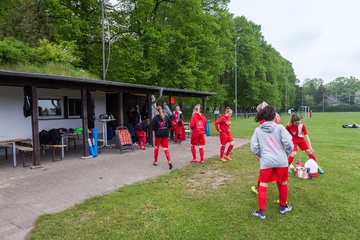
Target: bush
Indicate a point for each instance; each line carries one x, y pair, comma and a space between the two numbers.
13, 51
64, 52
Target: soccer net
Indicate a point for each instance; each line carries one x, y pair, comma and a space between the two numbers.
304, 111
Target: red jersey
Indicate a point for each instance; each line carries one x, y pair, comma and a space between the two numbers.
177, 116
297, 132
198, 123
224, 123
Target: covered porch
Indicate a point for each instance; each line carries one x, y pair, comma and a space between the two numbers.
106, 96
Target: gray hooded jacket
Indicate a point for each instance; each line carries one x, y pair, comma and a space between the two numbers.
272, 143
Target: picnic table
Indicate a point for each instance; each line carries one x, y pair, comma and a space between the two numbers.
12, 141
65, 141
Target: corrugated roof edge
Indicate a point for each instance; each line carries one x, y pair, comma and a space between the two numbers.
4, 72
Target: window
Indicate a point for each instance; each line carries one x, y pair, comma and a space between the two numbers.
50, 108
74, 107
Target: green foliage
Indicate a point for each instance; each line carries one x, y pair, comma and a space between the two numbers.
172, 43
339, 95
65, 52
13, 51
62, 69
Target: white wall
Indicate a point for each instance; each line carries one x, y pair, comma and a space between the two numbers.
12, 120
14, 124
100, 107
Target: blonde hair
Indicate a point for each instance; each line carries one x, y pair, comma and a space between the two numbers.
161, 113
228, 110
261, 106
197, 108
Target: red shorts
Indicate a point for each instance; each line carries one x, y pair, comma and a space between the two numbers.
302, 145
140, 133
163, 142
269, 175
198, 139
225, 138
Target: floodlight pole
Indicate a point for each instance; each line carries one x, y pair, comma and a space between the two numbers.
285, 95
235, 76
103, 37
302, 95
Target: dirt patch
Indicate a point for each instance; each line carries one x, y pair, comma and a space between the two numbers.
208, 180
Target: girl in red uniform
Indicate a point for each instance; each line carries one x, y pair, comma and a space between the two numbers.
178, 125
197, 125
225, 136
300, 138
277, 120
161, 125
271, 144
140, 130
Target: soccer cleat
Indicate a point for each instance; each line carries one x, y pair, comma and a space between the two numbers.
260, 214
170, 166
228, 158
155, 164
254, 190
202, 162
193, 161
321, 171
223, 160
283, 210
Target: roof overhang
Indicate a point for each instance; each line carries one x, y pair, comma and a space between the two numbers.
14, 78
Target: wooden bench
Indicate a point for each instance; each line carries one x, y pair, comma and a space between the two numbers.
6, 146
24, 150
25, 142
53, 148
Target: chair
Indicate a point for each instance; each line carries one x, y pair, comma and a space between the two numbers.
123, 139
187, 129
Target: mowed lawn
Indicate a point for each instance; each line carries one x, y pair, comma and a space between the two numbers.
214, 201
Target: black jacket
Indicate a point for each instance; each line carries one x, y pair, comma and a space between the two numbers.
160, 127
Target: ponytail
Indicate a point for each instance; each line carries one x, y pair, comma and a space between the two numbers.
228, 110
197, 108
268, 113
295, 118
161, 113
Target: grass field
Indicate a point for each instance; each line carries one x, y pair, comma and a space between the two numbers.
214, 201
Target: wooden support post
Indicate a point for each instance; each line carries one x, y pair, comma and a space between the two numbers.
150, 114
170, 105
35, 126
203, 105
85, 126
120, 111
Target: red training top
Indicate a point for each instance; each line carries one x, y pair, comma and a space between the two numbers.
198, 123
224, 123
297, 132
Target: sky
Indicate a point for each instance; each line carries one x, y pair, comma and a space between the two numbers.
320, 37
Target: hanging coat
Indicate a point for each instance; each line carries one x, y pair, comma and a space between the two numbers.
27, 102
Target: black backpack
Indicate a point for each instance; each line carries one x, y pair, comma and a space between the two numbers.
55, 136
44, 137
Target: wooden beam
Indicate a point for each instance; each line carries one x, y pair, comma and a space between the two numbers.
35, 126
85, 126
149, 106
170, 105
121, 108
203, 106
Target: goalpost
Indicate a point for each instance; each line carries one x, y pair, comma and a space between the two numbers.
304, 111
